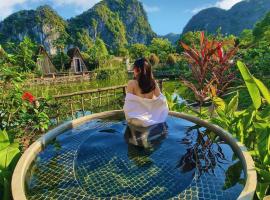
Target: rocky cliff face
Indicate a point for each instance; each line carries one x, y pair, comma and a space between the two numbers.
43, 25
117, 22
243, 15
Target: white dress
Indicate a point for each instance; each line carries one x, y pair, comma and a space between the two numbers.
145, 112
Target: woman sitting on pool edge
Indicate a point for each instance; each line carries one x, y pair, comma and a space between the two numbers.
144, 105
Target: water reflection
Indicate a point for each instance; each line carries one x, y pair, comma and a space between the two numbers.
142, 142
204, 152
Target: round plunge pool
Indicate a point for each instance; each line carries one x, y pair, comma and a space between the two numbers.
102, 157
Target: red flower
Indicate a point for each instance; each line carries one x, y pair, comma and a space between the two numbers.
28, 97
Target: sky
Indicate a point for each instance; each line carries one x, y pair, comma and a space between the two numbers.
165, 16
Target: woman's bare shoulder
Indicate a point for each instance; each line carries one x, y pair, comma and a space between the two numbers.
131, 86
157, 91
132, 82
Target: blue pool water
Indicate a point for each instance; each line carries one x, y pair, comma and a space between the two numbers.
107, 159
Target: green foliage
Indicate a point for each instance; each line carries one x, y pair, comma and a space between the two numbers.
113, 24
262, 29
98, 54
60, 60
255, 49
189, 38
21, 116
251, 125
102, 75
32, 23
123, 52
21, 113
251, 85
246, 37
9, 152
162, 48
257, 57
23, 54
138, 51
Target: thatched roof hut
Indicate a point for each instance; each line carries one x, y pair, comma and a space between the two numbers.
76, 64
44, 62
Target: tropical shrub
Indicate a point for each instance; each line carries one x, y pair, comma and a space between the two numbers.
251, 125
23, 54
102, 75
210, 66
98, 54
154, 59
162, 48
171, 60
138, 51
20, 112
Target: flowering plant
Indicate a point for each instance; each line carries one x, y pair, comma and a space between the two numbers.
27, 96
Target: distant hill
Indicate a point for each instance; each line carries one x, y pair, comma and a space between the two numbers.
242, 15
42, 25
172, 37
117, 22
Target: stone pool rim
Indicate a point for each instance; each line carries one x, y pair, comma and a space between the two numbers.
18, 178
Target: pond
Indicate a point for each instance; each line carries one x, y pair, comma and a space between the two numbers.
107, 159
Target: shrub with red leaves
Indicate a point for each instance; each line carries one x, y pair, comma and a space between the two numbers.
210, 66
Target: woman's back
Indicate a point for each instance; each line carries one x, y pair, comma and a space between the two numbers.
134, 88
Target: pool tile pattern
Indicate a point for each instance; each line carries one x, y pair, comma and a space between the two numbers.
56, 176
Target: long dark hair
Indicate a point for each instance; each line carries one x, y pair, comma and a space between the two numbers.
145, 78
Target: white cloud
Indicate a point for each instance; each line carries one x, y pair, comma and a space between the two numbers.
151, 9
227, 4
81, 4
7, 7
223, 4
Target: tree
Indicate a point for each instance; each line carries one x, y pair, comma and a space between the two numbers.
83, 40
138, 51
262, 28
60, 60
60, 44
246, 37
122, 51
161, 47
190, 38
98, 54
23, 54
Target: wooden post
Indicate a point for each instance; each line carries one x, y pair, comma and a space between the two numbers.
107, 94
82, 102
71, 107
99, 95
57, 113
91, 103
